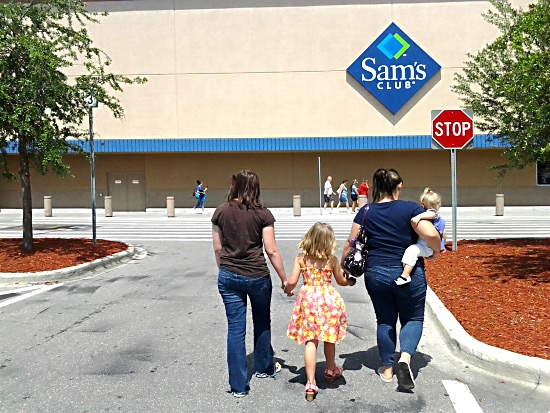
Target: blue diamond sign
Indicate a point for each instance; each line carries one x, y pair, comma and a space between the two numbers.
393, 68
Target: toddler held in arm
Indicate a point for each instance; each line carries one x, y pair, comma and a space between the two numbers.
431, 202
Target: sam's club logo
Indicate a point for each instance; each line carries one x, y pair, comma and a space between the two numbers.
393, 68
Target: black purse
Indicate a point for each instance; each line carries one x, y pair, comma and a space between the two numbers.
355, 262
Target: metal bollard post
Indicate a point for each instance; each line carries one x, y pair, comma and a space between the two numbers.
47, 206
170, 206
499, 205
297, 205
361, 200
108, 206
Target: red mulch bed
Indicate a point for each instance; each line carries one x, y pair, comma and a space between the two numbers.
53, 253
499, 290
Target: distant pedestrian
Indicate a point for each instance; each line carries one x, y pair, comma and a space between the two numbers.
319, 313
364, 189
328, 193
241, 229
200, 194
354, 195
431, 202
343, 195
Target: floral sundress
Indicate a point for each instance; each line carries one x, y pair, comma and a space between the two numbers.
319, 312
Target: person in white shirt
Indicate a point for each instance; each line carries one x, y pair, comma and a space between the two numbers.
328, 193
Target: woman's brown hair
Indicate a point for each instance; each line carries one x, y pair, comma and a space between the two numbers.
385, 183
245, 189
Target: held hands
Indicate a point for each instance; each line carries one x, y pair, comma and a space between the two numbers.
351, 280
289, 292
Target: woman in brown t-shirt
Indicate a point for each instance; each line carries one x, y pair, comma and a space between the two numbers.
241, 229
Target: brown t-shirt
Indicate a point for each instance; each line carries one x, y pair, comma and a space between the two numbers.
242, 243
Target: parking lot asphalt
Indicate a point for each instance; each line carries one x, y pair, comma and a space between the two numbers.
460, 343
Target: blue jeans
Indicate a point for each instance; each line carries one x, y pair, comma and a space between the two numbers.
234, 290
200, 201
390, 302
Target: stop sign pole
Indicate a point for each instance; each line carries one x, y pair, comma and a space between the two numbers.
453, 129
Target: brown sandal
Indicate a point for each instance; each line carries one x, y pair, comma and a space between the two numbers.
331, 375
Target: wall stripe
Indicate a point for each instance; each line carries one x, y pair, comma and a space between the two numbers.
350, 143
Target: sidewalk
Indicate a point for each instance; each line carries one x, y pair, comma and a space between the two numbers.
500, 362
484, 213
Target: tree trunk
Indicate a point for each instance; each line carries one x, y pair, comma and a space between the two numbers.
26, 196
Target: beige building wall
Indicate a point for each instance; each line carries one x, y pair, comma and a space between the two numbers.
271, 70
282, 176
277, 69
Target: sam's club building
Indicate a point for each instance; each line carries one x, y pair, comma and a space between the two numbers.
275, 86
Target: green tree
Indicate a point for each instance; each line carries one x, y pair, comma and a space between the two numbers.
507, 84
42, 109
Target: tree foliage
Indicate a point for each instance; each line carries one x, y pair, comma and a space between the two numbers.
42, 109
507, 83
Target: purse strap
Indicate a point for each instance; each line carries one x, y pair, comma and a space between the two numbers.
352, 241
365, 215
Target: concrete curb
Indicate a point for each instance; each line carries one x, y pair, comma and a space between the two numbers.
511, 365
71, 272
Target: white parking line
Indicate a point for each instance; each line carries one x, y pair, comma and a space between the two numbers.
461, 397
21, 289
34, 291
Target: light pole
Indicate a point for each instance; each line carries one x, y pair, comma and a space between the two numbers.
92, 103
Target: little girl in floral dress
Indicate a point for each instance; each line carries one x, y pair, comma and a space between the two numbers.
319, 312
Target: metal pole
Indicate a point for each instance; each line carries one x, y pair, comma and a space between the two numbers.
92, 172
453, 193
320, 196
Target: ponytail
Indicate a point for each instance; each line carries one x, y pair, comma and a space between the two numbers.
385, 183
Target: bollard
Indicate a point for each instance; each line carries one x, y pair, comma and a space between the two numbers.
361, 200
108, 206
47, 206
170, 206
499, 205
297, 205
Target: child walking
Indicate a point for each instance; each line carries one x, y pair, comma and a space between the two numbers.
319, 313
431, 202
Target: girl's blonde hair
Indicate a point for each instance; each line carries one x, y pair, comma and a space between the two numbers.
430, 199
319, 242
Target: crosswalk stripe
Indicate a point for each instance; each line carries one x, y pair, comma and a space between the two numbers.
462, 399
199, 229
22, 297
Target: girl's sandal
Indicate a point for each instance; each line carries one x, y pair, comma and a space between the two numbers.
331, 375
311, 391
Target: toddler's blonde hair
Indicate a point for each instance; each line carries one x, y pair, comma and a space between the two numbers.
319, 242
430, 199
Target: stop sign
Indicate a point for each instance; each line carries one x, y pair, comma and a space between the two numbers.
452, 128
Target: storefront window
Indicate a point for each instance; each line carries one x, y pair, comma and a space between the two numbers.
543, 173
